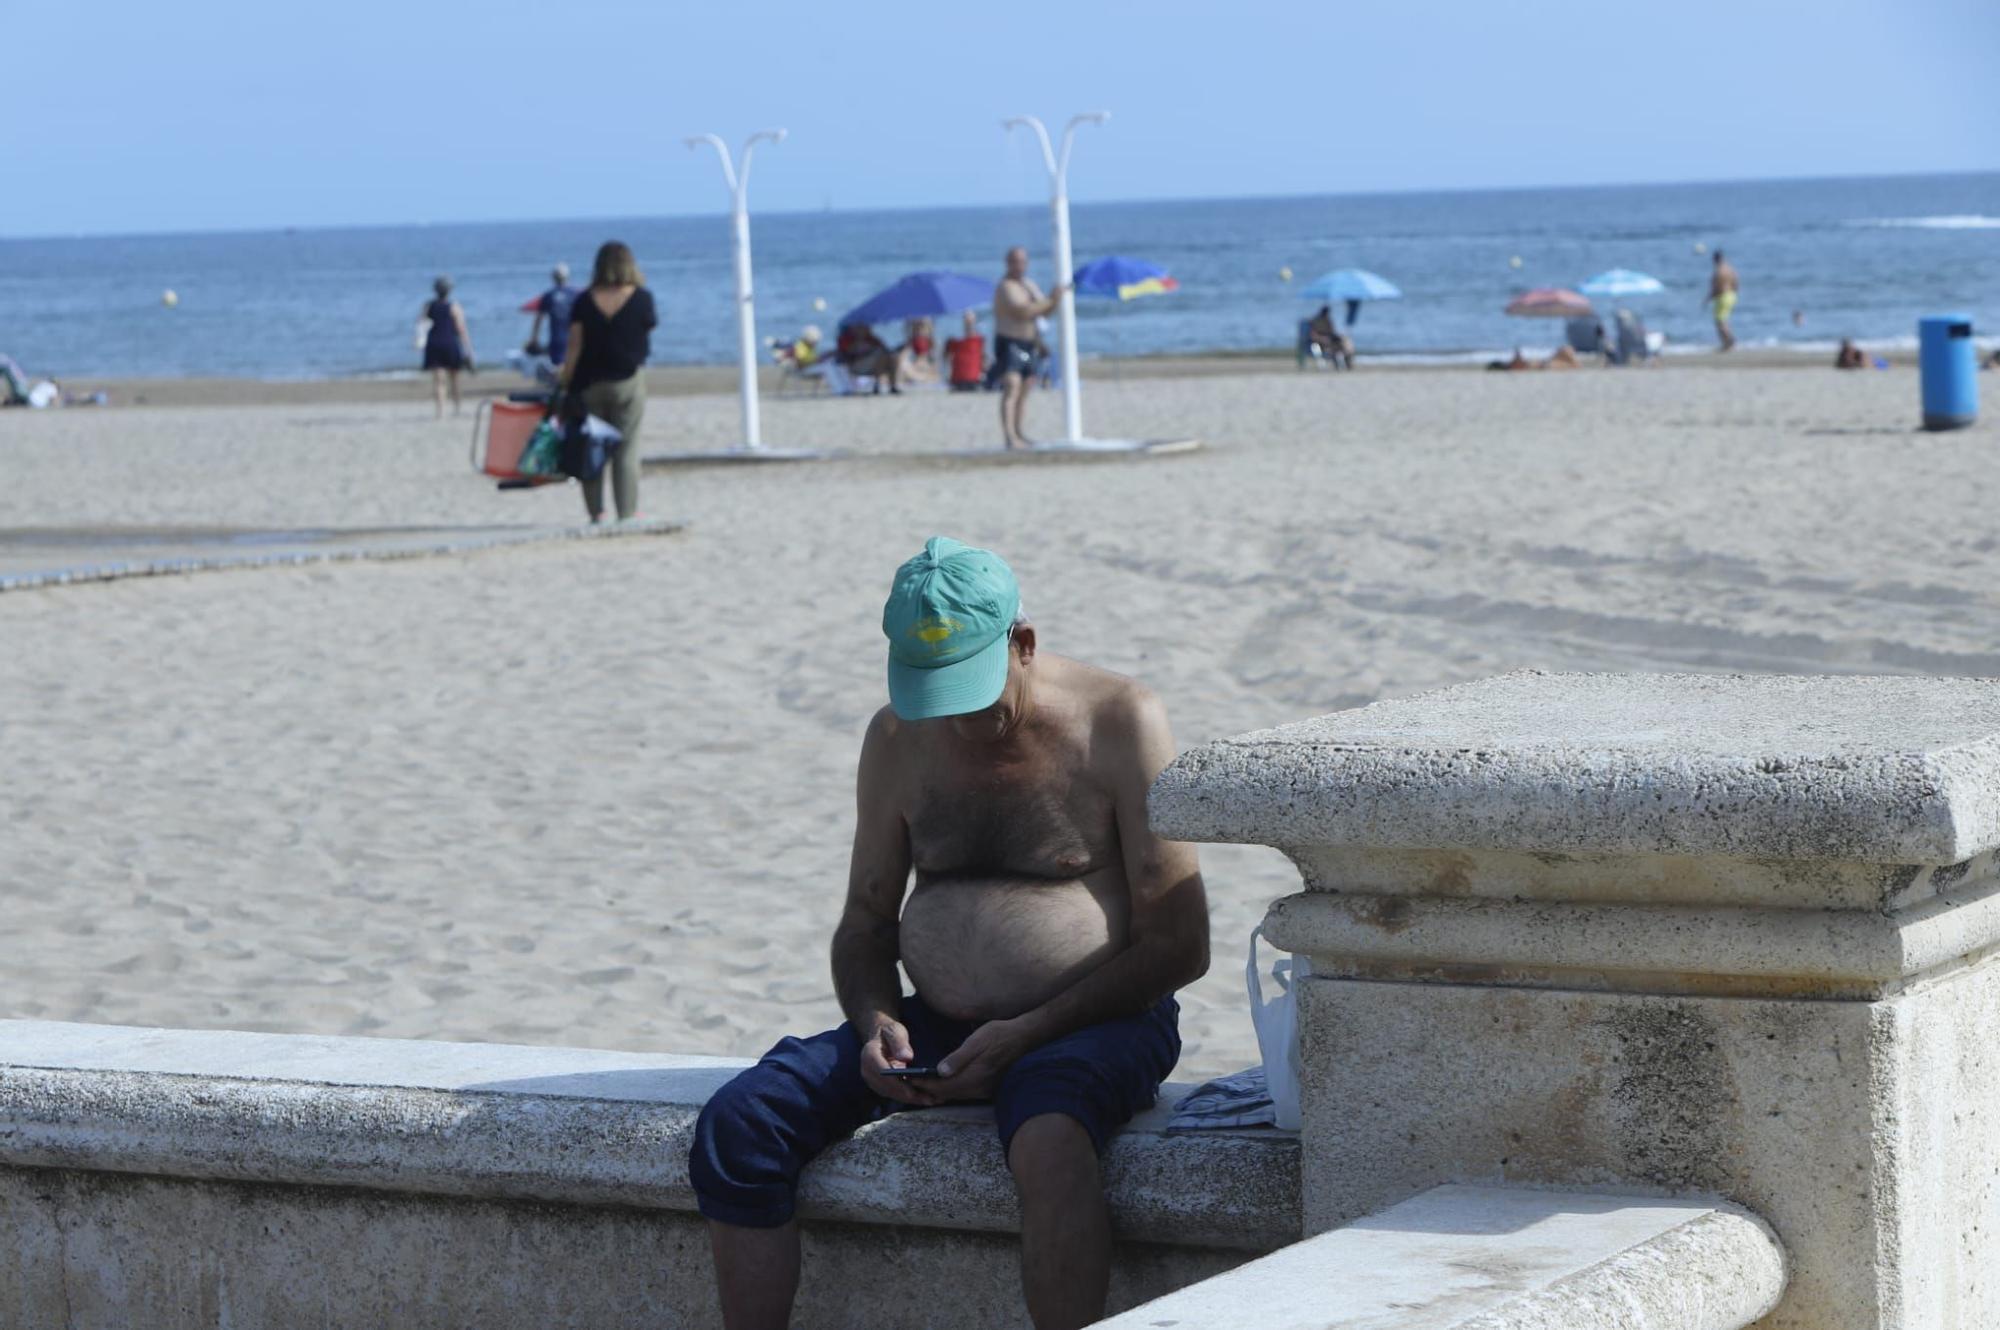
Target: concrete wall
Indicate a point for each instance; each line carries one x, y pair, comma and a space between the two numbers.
175, 1179
122, 1251
1495, 1258
1731, 934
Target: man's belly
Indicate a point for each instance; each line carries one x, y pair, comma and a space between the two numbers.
986, 949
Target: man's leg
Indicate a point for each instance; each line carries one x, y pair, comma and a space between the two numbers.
1013, 388
756, 1274
1065, 1223
1055, 1109
1020, 426
754, 1137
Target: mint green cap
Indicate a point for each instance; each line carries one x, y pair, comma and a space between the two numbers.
946, 620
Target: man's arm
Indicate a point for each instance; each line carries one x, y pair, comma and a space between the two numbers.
1167, 945
865, 943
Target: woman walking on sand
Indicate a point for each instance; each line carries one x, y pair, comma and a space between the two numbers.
447, 346
609, 340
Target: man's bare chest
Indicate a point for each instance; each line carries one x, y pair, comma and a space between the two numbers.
1039, 818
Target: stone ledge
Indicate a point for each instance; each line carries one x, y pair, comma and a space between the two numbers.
1728, 950
1495, 1258
578, 1126
1877, 770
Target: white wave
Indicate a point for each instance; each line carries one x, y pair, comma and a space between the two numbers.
1960, 221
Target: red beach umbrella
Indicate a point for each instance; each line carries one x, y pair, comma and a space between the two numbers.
1548, 302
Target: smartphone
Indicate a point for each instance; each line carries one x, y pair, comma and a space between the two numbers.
909, 1071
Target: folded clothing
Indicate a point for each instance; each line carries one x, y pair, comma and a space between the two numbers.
1241, 1099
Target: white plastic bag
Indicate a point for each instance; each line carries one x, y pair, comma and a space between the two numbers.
1277, 1024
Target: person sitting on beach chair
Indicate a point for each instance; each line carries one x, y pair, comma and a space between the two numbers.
916, 358
799, 360
1337, 347
1047, 931
966, 356
860, 351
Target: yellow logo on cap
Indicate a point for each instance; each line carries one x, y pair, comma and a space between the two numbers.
933, 632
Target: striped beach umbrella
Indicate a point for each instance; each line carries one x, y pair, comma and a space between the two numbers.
1123, 277
1614, 283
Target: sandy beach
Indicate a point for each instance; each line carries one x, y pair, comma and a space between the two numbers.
599, 793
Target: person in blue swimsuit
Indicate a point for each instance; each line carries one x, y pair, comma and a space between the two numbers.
447, 346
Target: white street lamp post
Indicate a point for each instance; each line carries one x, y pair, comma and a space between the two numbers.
737, 177
1058, 165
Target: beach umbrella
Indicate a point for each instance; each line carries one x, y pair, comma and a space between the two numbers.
1124, 278
1351, 285
1548, 302
1617, 282
915, 295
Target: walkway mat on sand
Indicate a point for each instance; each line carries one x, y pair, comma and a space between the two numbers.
61, 556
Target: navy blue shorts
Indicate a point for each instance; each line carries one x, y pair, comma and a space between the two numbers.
1014, 355
758, 1132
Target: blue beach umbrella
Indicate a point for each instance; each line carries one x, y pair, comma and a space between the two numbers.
919, 294
1352, 285
1616, 282
1124, 278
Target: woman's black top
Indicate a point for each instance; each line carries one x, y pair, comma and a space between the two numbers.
616, 347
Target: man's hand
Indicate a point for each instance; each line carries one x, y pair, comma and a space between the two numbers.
889, 1046
973, 1069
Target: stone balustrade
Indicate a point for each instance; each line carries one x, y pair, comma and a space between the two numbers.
179, 1179
1699, 933
1497, 1258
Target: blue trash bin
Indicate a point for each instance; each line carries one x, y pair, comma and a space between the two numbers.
1950, 366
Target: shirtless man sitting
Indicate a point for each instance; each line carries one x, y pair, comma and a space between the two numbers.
1046, 933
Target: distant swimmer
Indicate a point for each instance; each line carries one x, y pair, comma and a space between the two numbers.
1722, 287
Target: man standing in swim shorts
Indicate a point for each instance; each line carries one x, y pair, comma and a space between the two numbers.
1722, 294
1045, 934
1017, 303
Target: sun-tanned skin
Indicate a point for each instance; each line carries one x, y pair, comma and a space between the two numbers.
1017, 303
1043, 903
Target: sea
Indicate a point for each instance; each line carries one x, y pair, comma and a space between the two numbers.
1819, 259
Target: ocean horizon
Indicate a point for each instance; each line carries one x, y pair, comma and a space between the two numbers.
1821, 259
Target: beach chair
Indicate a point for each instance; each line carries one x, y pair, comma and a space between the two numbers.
794, 377
501, 430
1308, 350
1586, 336
1635, 346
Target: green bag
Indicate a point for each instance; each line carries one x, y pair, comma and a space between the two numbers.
543, 455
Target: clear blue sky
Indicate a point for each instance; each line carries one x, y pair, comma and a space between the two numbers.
204, 115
